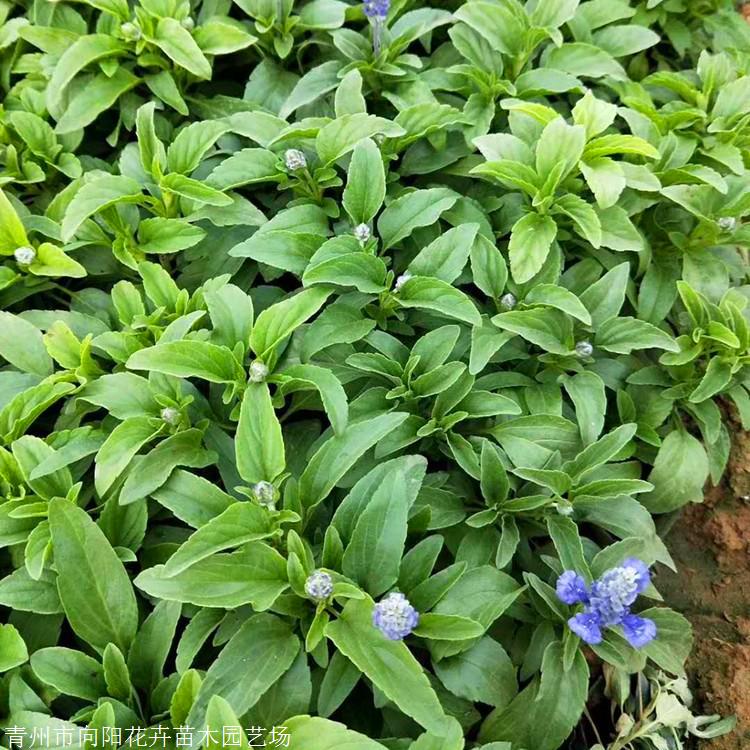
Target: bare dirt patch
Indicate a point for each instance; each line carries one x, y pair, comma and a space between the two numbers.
711, 546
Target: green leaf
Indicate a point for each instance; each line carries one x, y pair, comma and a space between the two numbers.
717, 377
255, 575
95, 98
565, 537
544, 713
445, 257
674, 640
373, 555
152, 645
13, 650
278, 321
12, 233
340, 136
245, 167
418, 208
559, 148
363, 271
389, 664
53, 261
488, 267
316, 82
185, 359
585, 219
438, 297
586, 391
69, 671
314, 733
623, 335
94, 587
119, 448
22, 345
194, 190
238, 524
605, 298
619, 40
266, 642
259, 443
606, 180
21, 592
365, 185
530, 242
177, 43
183, 449
339, 680
447, 627
192, 143
679, 473
550, 295
483, 673
339, 453
95, 196
332, 393
162, 236
84, 51
548, 329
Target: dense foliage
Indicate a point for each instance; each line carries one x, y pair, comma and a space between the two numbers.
349, 354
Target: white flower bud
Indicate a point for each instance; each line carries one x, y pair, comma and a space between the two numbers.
264, 493
187, 23
170, 416
294, 159
24, 255
319, 586
130, 31
362, 233
508, 301
564, 508
584, 349
401, 280
727, 223
258, 372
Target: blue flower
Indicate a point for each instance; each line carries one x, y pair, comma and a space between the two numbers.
608, 603
376, 8
571, 588
587, 626
638, 631
614, 593
394, 617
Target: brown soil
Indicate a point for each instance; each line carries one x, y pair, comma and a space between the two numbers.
711, 547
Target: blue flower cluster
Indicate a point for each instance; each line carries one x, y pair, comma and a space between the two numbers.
394, 617
608, 602
376, 8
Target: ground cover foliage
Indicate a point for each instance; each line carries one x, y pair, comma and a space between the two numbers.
333, 334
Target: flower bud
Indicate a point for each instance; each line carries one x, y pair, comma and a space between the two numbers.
362, 233
319, 586
264, 493
727, 223
258, 371
24, 255
170, 416
508, 301
584, 349
187, 23
294, 159
130, 31
401, 280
